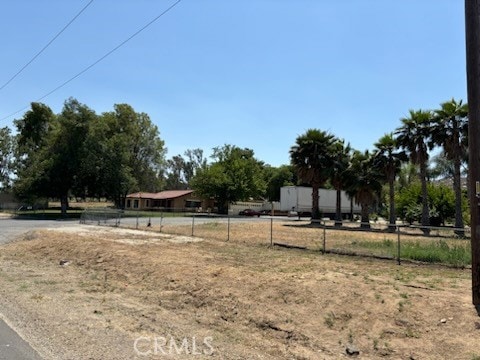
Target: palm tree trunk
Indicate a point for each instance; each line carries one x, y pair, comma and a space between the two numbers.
338, 214
425, 211
457, 187
365, 221
315, 209
392, 215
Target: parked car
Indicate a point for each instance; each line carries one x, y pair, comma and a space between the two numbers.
249, 212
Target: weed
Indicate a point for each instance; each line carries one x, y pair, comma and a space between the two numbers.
330, 320
410, 333
23, 287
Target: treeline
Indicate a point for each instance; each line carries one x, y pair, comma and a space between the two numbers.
78, 153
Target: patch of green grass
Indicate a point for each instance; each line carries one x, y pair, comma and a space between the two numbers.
437, 252
441, 251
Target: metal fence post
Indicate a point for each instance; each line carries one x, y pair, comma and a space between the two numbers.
228, 228
161, 221
324, 237
193, 223
271, 231
398, 244
136, 226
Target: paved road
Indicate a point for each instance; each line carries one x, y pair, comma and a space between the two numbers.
12, 228
12, 346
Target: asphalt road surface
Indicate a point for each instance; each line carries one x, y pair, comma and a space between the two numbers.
12, 346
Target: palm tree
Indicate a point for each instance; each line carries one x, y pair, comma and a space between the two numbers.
389, 159
342, 154
413, 136
312, 158
449, 130
363, 183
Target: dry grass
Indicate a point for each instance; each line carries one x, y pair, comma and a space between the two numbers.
255, 302
349, 239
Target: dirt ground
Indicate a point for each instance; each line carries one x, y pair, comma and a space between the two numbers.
90, 292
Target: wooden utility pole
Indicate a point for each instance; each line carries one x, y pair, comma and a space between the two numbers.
472, 32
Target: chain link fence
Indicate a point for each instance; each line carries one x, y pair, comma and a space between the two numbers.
375, 239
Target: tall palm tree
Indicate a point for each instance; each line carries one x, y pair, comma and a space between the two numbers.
389, 158
342, 155
312, 158
414, 137
449, 130
363, 183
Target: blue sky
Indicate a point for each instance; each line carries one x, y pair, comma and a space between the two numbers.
252, 73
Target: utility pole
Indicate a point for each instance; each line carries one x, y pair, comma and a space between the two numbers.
472, 32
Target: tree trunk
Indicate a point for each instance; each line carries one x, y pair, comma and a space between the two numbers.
315, 209
392, 215
64, 205
457, 187
425, 211
338, 213
365, 222
223, 208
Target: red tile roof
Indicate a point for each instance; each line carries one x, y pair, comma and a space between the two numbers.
167, 194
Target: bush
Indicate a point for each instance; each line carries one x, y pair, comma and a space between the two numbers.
441, 200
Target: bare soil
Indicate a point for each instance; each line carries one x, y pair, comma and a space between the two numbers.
90, 292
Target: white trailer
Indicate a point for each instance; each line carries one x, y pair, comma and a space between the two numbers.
299, 198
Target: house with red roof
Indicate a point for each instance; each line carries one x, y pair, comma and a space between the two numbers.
168, 200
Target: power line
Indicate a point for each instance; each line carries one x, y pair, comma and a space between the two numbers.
46, 46
99, 60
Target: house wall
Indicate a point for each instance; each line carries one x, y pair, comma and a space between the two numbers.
183, 203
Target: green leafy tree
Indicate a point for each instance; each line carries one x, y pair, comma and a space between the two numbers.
180, 170
449, 130
125, 153
441, 203
33, 132
235, 175
7, 148
414, 137
53, 167
364, 183
175, 173
312, 157
105, 171
388, 158
63, 155
194, 160
276, 178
